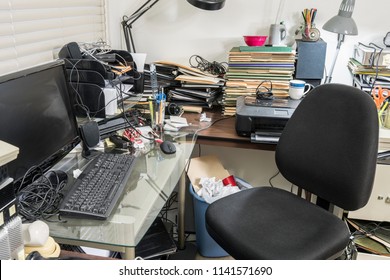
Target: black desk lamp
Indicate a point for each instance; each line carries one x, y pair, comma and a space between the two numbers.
210, 5
127, 21
342, 24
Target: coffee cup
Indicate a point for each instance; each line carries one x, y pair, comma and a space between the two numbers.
298, 89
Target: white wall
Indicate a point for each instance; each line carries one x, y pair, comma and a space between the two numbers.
174, 30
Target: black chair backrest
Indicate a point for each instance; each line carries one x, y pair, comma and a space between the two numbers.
329, 146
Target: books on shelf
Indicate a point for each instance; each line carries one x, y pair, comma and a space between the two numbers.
248, 67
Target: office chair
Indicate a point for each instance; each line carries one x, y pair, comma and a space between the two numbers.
328, 148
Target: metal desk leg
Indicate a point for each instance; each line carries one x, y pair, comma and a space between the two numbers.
129, 253
181, 206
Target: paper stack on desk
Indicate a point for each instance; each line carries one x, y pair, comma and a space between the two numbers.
8, 152
249, 66
196, 88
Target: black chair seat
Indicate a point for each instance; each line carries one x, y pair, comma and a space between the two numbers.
248, 226
329, 148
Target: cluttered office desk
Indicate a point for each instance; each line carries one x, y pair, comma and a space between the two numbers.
151, 183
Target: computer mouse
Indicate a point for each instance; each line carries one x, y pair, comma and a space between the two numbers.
167, 147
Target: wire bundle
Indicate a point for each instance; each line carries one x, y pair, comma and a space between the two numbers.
214, 68
40, 200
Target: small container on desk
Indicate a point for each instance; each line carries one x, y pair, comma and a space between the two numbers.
157, 111
310, 33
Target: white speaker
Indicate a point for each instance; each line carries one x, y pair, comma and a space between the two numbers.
5, 250
14, 228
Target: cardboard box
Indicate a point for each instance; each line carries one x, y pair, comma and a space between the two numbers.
205, 167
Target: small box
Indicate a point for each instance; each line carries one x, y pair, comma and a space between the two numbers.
310, 63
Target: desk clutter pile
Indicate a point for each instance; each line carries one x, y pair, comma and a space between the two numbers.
250, 66
185, 86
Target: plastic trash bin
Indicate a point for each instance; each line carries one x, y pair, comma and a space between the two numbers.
207, 247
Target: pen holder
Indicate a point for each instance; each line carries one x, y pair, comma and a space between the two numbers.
310, 33
157, 112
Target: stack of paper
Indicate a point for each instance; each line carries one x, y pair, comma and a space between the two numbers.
357, 68
195, 88
250, 66
8, 152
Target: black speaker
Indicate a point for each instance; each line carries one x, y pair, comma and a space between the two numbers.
70, 50
90, 136
310, 63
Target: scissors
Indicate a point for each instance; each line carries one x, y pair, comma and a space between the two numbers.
380, 95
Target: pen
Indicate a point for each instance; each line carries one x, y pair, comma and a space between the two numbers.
314, 12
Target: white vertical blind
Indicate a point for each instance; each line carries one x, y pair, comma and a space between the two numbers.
33, 31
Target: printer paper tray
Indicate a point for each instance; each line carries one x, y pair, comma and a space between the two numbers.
265, 137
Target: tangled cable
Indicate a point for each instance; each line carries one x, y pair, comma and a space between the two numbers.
214, 68
40, 200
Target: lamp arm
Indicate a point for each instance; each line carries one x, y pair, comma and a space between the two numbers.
340, 40
127, 22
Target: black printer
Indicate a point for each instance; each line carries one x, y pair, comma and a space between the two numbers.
263, 119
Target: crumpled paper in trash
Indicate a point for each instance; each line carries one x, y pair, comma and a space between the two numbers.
213, 189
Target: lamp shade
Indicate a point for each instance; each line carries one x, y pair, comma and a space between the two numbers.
343, 23
210, 5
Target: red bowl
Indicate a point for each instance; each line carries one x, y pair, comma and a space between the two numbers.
255, 41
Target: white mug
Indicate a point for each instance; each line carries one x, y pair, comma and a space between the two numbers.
277, 33
298, 89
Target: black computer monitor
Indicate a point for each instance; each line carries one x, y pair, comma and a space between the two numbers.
36, 115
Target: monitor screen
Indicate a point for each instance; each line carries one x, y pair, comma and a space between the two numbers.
36, 116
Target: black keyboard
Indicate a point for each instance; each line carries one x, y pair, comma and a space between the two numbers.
96, 191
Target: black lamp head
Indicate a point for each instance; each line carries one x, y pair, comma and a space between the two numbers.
210, 5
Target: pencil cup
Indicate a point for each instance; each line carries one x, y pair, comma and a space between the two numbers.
157, 111
310, 33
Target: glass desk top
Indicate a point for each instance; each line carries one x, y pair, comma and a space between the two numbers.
151, 183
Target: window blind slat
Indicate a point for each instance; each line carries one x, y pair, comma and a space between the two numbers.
6, 42
32, 32
39, 4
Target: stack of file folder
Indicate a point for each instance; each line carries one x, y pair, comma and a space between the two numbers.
185, 85
250, 66
366, 77
166, 75
358, 68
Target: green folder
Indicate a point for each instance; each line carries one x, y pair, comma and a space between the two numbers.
266, 49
